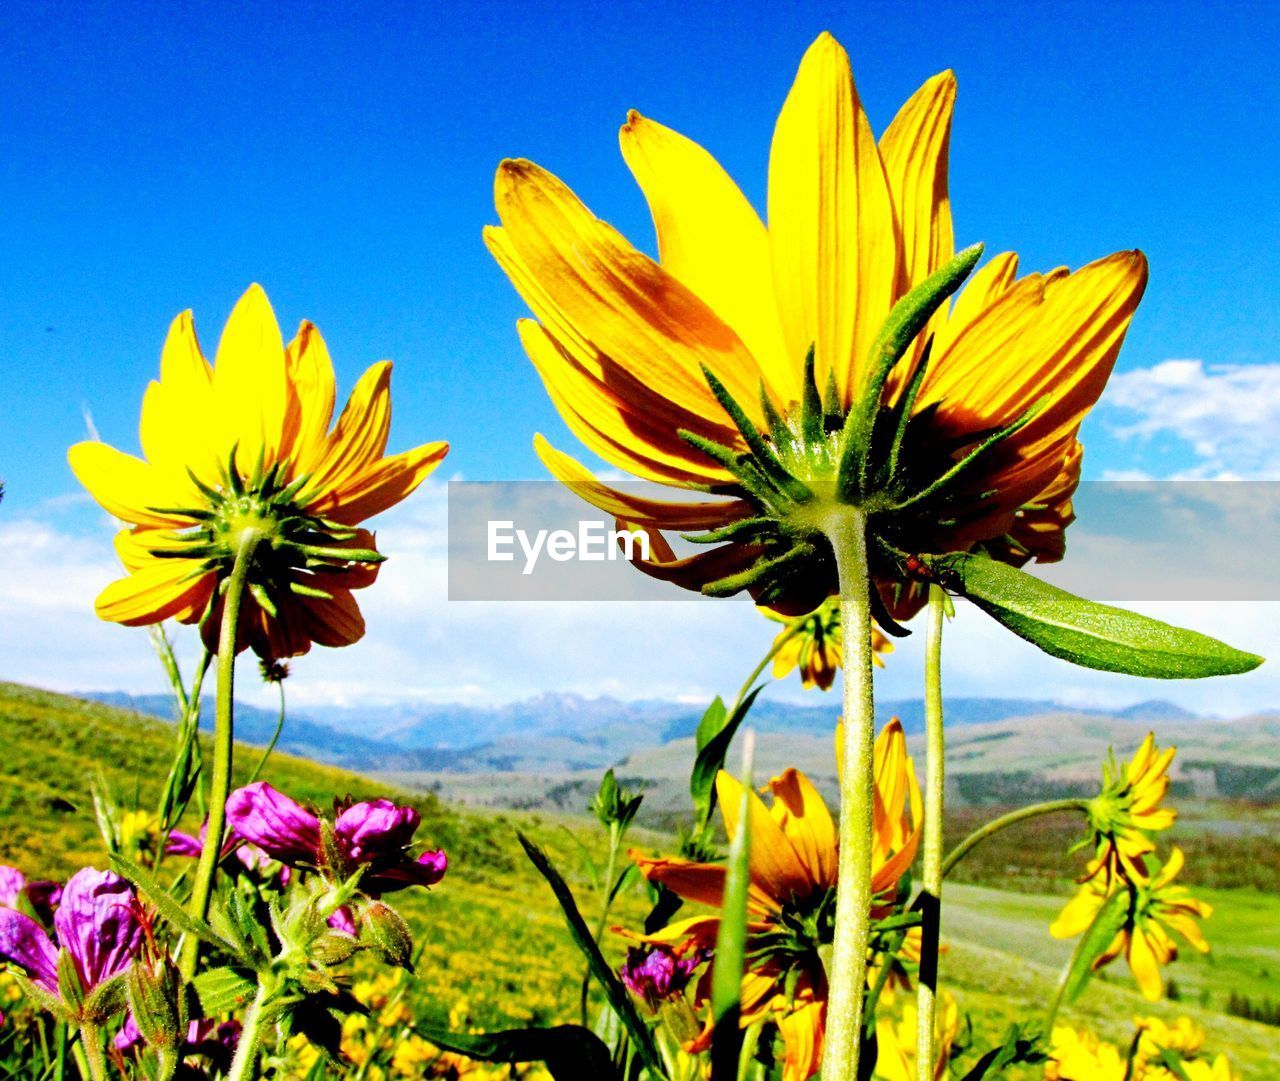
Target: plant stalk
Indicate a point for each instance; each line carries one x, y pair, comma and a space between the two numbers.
244, 1065
615, 839
930, 899
94, 1055
1011, 819
223, 743
848, 972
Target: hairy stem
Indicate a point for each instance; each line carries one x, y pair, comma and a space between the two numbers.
848, 973
245, 1064
94, 1055
930, 899
223, 743
1011, 819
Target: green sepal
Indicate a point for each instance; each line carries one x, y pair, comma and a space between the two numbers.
715, 733
742, 467
758, 572
384, 929
1108, 923
743, 529
812, 411
155, 1000
39, 994
1085, 632
70, 988
908, 317
570, 1052
224, 990
166, 904
618, 997
1021, 1046
106, 1000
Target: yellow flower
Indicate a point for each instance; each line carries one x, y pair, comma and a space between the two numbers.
1155, 908
791, 900
896, 1040
815, 648
1127, 810
137, 828
244, 445
694, 371
1183, 1036
1217, 1070
1078, 1055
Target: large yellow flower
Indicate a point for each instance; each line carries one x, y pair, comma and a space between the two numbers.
1155, 908
246, 443
791, 901
784, 318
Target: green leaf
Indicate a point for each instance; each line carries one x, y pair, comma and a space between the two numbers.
1108, 923
731, 939
570, 1052
715, 733
166, 904
1085, 632
608, 980
224, 990
1020, 1047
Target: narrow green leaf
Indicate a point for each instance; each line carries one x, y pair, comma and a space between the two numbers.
1108, 923
1085, 632
905, 321
166, 904
570, 1052
715, 734
618, 997
224, 990
731, 940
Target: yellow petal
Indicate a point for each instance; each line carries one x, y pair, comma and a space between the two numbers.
619, 417
177, 411
1078, 914
836, 264
635, 508
802, 1034
806, 822
128, 488
711, 238
775, 866
359, 438
617, 298
312, 396
160, 590
382, 485
1144, 966
250, 392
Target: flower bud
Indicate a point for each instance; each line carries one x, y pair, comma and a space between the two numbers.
384, 929
153, 994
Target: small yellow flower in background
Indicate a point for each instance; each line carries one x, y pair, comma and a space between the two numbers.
622, 344
136, 829
896, 1040
815, 648
1078, 1055
245, 444
1217, 1070
1155, 908
1183, 1036
791, 901
1127, 810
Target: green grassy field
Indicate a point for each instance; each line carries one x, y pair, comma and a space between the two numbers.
492, 936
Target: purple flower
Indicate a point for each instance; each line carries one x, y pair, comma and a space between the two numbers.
214, 1039
251, 857
13, 884
42, 896
376, 832
655, 974
344, 922
97, 924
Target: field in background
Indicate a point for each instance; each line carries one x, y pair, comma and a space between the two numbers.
52, 747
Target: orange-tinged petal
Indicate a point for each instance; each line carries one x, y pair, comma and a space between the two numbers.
250, 389
619, 417
381, 485
984, 287
636, 509
360, 436
836, 264
702, 882
802, 1035
129, 488
164, 589
333, 622
619, 299
804, 818
312, 397
775, 866
711, 238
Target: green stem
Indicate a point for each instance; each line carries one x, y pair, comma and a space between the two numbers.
790, 631
615, 838
930, 899
275, 738
223, 743
244, 1065
94, 1055
857, 794
1011, 819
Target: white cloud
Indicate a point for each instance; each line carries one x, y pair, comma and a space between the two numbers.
1226, 413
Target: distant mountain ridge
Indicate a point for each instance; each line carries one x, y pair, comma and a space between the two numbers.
564, 733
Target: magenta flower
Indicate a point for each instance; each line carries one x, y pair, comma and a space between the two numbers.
13, 884
376, 833
97, 924
213, 1039
42, 896
655, 974
251, 857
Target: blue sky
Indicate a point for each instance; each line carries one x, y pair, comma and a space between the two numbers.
159, 157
